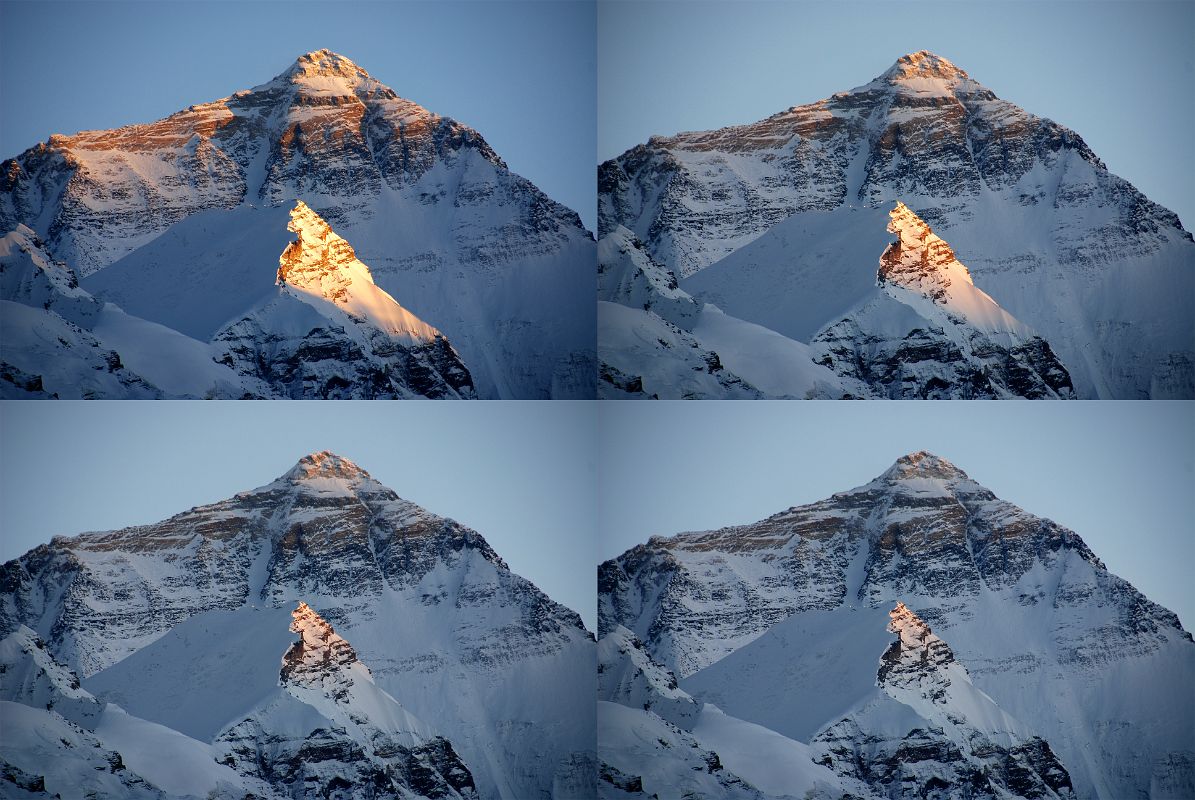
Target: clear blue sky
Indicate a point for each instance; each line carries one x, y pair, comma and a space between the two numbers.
1121, 474
523, 74
520, 473
1118, 73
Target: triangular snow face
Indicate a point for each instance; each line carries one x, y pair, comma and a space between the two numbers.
330, 332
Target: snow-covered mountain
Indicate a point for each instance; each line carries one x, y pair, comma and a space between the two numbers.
783, 211
441, 632
323, 329
781, 624
463, 243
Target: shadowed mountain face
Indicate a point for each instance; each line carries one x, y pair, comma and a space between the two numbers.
465, 244
1045, 229
466, 645
1028, 610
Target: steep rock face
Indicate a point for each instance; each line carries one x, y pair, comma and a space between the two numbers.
1024, 602
321, 659
330, 332
433, 609
353, 738
1045, 228
946, 339
503, 270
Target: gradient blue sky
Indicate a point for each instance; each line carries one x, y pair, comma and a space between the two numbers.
1119, 473
523, 74
1118, 73
520, 473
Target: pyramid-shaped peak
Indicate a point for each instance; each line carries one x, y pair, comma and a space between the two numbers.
923, 64
325, 464
316, 253
923, 464
320, 652
916, 654
325, 63
919, 259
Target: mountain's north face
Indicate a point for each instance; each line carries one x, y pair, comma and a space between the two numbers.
779, 623
465, 244
425, 614
770, 222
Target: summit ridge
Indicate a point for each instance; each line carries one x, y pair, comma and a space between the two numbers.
922, 64
325, 464
325, 63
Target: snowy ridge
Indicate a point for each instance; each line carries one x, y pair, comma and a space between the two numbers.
61, 342
655, 341
627, 675
58, 738
654, 738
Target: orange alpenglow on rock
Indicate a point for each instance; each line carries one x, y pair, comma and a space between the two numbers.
322, 266
319, 652
919, 259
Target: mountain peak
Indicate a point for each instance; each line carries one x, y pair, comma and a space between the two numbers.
320, 652
916, 653
324, 63
325, 464
317, 252
922, 464
919, 259
922, 64
322, 267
